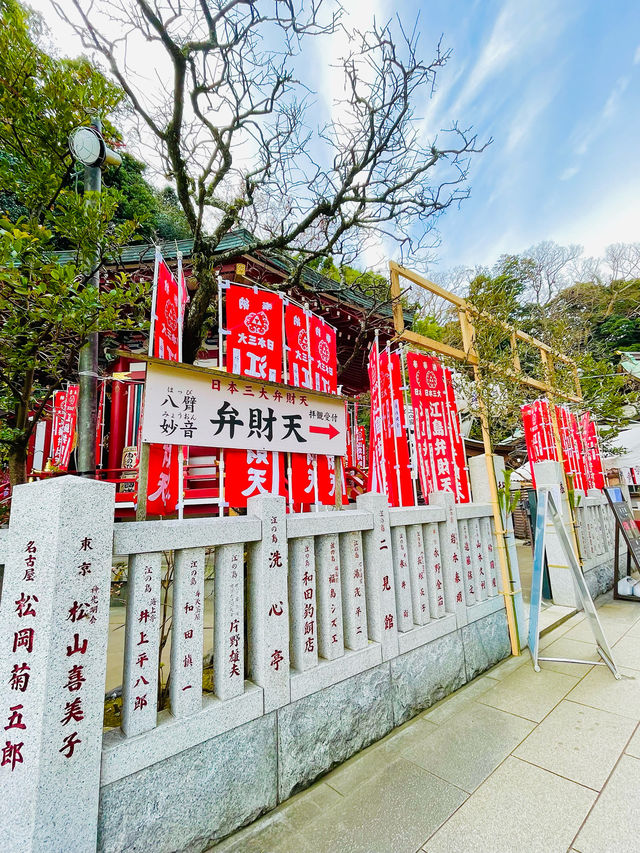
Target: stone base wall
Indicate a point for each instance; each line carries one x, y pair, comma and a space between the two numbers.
197, 797
599, 578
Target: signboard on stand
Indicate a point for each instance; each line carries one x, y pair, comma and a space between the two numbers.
200, 407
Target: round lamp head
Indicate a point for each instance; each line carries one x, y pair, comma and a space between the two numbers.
87, 146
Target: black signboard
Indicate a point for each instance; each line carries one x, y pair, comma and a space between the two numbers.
625, 525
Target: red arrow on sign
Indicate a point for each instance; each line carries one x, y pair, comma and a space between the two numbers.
329, 430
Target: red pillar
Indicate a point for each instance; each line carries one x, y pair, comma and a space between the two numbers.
118, 418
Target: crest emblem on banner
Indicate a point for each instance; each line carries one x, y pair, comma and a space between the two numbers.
432, 380
257, 323
325, 352
303, 341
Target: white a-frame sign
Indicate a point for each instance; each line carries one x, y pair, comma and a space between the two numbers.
547, 506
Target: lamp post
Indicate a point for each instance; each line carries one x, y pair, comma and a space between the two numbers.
87, 146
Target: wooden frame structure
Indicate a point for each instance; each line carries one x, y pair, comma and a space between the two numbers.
467, 313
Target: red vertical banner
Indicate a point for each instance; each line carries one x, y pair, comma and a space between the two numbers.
254, 320
361, 447
592, 449
461, 475
254, 332
302, 480
323, 355
579, 453
429, 396
420, 423
348, 459
99, 426
326, 467
163, 479
376, 480
400, 438
65, 405
250, 473
166, 311
297, 325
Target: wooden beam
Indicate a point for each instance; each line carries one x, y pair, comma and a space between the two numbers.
436, 346
428, 285
396, 301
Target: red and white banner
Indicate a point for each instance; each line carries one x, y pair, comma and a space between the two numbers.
463, 489
165, 341
297, 324
439, 445
377, 479
65, 404
165, 332
252, 472
100, 426
571, 450
538, 434
323, 356
389, 461
592, 452
254, 332
254, 341
163, 481
361, 447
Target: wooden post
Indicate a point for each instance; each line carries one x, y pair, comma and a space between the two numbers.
468, 337
143, 482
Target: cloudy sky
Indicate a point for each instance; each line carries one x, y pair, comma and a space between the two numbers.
556, 84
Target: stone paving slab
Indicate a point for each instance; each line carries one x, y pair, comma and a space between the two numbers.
552, 760
616, 815
469, 746
578, 742
519, 808
527, 696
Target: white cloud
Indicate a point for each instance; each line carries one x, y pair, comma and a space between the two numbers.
569, 172
520, 27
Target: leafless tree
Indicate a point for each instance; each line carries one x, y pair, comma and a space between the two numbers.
242, 134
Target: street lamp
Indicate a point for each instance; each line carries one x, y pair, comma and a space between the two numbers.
87, 146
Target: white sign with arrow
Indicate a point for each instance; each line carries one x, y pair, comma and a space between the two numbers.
186, 405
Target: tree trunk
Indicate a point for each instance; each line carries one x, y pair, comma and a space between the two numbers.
203, 306
17, 464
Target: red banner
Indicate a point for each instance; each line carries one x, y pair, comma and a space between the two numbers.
302, 480
99, 426
252, 472
463, 490
439, 446
377, 481
573, 465
592, 452
323, 356
297, 324
163, 480
361, 447
165, 326
254, 332
64, 426
398, 427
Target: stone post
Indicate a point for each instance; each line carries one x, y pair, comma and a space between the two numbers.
378, 575
563, 590
54, 624
451, 555
268, 568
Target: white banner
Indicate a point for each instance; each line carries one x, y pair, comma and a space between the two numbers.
211, 409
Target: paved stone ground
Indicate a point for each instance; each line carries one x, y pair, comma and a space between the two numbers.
514, 761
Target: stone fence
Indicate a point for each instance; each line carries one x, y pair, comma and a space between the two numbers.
329, 630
